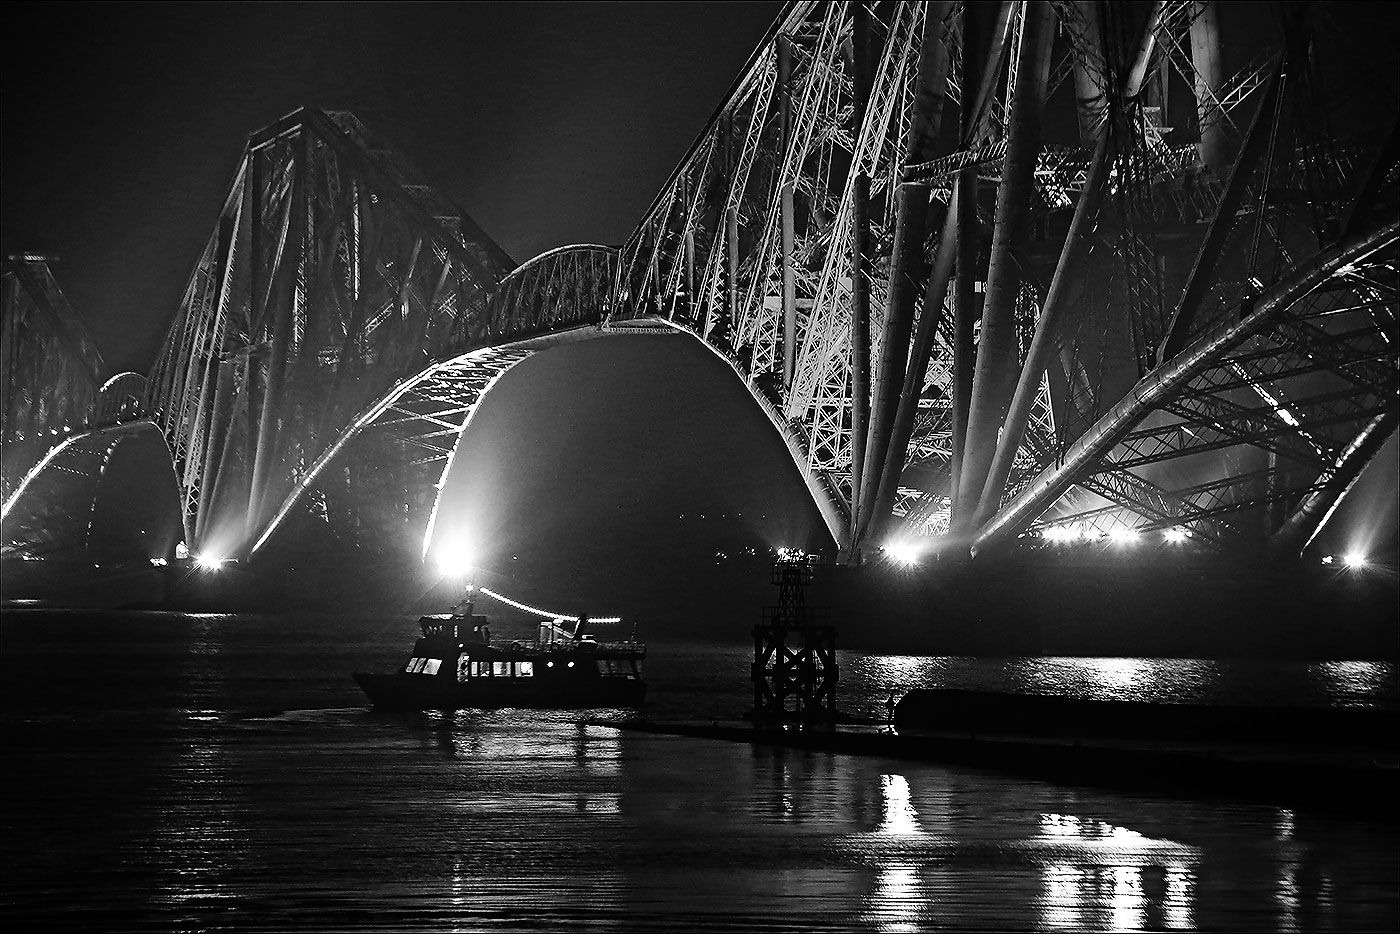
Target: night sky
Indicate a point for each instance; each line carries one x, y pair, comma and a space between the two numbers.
549, 123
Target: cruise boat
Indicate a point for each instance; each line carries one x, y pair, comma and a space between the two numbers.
455, 664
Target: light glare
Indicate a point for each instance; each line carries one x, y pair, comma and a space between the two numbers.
1355, 559
455, 559
902, 553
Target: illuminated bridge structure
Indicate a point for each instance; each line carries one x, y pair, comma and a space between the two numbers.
991, 270
61, 408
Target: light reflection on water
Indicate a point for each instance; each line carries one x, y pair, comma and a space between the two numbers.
175, 790
871, 678
1115, 868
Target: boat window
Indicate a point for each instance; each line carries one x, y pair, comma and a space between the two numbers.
464, 668
481, 669
525, 669
431, 665
412, 665
502, 669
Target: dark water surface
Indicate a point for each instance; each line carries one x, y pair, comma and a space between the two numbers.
186, 772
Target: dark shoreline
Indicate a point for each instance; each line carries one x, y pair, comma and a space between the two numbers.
1034, 603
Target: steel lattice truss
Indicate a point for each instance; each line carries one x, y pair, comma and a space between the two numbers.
52, 371
962, 317
1299, 392
1086, 265
61, 421
341, 307
52, 511
749, 245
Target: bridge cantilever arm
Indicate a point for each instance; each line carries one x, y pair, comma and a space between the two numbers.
1165, 381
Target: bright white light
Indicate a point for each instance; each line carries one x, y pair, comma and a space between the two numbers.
1059, 533
455, 559
209, 561
1124, 536
1175, 536
1355, 559
157, 562
1327, 559
902, 553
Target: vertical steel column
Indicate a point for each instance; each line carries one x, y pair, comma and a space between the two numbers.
247, 394
997, 356
788, 234
1056, 303
218, 382
1142, 58
1047, 335
906, 258
1090, 80
860, 342
280, 306
908, 264
860, 287
1205, 60
732, 225
730, 235
967, 304
690, 306
921, 351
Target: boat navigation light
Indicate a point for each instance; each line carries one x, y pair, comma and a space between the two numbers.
1355, 559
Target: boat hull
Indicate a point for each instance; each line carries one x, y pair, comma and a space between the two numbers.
400, 691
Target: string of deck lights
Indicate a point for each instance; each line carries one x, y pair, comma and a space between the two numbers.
534, 609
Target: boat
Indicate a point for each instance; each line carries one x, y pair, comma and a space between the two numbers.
455, 665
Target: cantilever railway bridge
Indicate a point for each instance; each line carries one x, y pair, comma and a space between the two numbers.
989, 269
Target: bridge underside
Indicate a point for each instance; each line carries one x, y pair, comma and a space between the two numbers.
101, 496
376, 489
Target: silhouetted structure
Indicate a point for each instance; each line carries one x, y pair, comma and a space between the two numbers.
794, 653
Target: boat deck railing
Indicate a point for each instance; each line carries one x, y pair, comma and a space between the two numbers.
565, 645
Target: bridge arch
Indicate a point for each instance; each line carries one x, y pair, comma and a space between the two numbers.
121, 399
562, 296
59, 506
